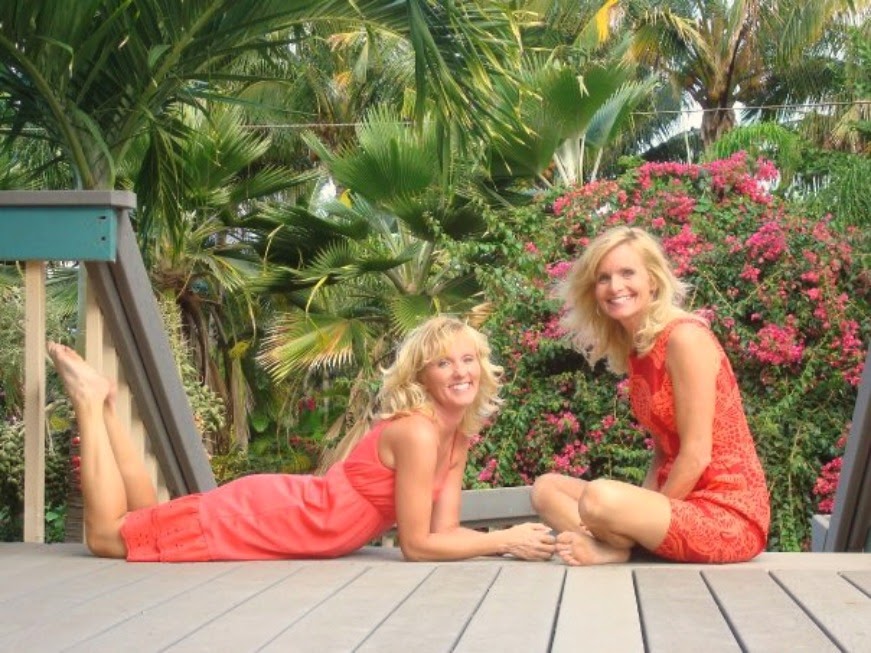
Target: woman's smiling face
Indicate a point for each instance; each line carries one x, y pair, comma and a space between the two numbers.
624, 287
452, 378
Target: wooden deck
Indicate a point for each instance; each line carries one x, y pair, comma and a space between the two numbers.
57, 597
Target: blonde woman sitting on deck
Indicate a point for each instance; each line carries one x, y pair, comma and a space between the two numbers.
406, 469
704, 498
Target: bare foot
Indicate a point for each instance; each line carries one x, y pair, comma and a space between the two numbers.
83, 383
583, 549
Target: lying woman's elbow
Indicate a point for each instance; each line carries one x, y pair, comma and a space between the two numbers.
413, 552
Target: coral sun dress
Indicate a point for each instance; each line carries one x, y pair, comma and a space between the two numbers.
273, 516
725, 518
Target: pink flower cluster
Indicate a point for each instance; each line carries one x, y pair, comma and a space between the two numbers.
683, 249
570, 459
488, 473
564, 422
778, 345
768, 243
730, 175
559, 270
827, 484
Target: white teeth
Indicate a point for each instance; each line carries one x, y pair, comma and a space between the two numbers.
461, 386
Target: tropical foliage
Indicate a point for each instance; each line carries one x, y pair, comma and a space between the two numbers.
725, 52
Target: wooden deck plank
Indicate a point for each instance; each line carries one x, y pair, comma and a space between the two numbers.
33, 608
111, 609
436, 614
519, 611
598, 612
371, 600
841, 609
765, 618
169, 621
33, 573
345, 619
678, 613
861, 579
253, 623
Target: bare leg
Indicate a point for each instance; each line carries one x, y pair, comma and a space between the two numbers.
137, 481
555, 498
103, 490
618, 516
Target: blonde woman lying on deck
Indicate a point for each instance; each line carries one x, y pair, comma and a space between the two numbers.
404, 468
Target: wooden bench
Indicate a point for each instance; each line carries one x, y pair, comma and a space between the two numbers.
848, 528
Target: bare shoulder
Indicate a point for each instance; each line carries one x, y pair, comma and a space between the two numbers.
411, 431
692, 341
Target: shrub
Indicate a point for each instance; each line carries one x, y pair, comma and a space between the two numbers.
787, 294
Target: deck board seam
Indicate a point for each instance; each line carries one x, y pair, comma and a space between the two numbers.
640, 611
854, 584
557, 611
474, 611
810, 615
392, 611
733, 628
152, 606
228, 610
314, 607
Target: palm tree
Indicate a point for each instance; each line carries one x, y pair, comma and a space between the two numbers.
96, 74
377, 263
721, 52
571, 96
219, 185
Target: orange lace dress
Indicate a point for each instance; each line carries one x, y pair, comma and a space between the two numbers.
273, 516
725, 517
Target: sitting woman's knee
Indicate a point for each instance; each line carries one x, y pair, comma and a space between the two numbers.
600, 502
543, 489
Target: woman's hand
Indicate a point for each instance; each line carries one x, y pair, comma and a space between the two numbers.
530, 541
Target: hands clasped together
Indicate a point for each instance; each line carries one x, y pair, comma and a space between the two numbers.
530, 541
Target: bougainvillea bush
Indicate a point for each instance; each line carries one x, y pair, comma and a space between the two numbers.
786, 293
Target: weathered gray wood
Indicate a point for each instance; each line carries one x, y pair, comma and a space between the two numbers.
850, 525
33, 573
253, 623
127, 300
861, 579
840, 608
344, 620
518, 613
165, 623
497, 507
436, 613
37, 606
598, 612
113, 608
765, 618
58, 597
678, 613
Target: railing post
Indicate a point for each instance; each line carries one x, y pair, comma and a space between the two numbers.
34, 402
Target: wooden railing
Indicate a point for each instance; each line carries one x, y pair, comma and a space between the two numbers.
123, 335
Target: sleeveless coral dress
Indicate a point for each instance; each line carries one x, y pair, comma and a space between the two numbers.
273, 516
725, 518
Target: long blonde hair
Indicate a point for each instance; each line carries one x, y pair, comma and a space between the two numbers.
402, 392
598, 336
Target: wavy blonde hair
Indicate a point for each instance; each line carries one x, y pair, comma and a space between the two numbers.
598, 336
402, 392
